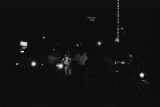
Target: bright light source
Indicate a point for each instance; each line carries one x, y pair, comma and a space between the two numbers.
77, 44
60, 65
22, 51
142, 75
122, 62
42, 64
33, 63
99, 43
17, 64
117, 40
22, 43
43, 37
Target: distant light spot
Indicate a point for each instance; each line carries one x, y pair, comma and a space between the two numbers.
43, 37
24, 46
99, 43
115, 62
77, 45
130, 55
141, 75
33, 63
22, 43
59, 65
22, 51
17, 64
92, 19
122, 62
122, 28
116, 71
117, 40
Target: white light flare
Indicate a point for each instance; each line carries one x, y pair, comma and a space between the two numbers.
43, 37
141, 75
99, 43
60, 66
33, 63
21, 51
17, 64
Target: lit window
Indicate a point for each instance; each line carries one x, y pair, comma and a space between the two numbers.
22, 43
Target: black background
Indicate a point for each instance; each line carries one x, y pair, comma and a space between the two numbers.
66, 21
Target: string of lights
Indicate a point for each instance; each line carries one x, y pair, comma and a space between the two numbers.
117, 40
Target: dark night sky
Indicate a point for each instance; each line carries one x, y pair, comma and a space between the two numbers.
64, 20
67, 20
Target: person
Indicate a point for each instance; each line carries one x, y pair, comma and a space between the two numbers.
67, 62
81, 59
79, 72
52, 59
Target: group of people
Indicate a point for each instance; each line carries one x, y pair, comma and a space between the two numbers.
97, 71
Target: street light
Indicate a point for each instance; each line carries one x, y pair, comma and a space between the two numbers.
99, 43
33, 63
141, 75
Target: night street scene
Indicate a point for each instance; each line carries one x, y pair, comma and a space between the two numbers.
79, 53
